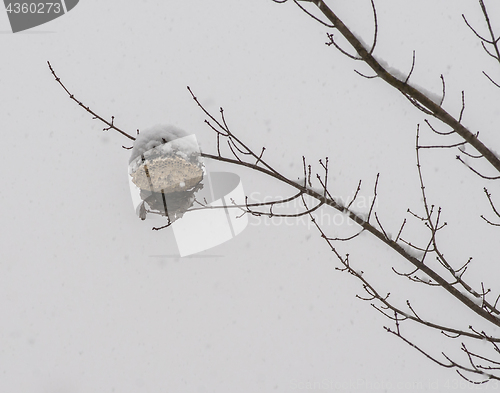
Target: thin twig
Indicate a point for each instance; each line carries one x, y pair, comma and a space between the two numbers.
96, 116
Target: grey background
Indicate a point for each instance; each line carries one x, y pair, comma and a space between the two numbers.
92, 300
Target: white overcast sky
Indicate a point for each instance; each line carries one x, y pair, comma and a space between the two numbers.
92, 300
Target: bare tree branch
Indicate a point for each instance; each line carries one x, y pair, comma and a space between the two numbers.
414, 95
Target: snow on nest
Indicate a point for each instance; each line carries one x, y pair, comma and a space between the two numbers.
161, 134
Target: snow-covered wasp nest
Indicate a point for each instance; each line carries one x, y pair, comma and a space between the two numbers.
167, 174
166, 166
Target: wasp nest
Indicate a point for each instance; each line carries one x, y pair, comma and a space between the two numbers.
167, 174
